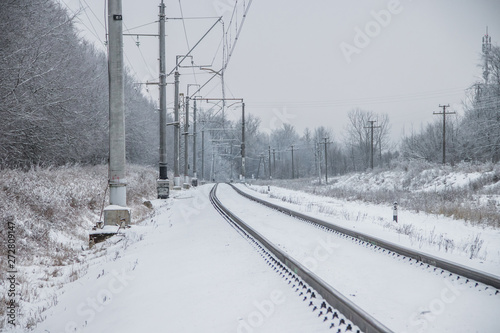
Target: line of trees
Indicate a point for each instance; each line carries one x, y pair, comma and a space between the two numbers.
54, 93
270, 154
54, 111
473, 136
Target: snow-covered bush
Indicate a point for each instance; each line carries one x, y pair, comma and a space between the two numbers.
53, 209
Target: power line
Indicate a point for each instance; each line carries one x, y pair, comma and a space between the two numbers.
144, 60
75, 15
217, 51
190, 50
90, 21
186, 37
444, 113
238, 32
358, 101
97, 18
140, 26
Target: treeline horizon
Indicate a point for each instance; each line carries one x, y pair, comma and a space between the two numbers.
54, 109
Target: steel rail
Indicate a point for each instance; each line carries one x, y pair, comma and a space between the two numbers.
349, 310
469, 273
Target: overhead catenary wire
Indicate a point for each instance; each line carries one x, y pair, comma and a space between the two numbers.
191, 50
145, 62
90, 21
231, 50
96, 17
217, 51
75, 15
236, 23
358, 101
186, 37
140, 26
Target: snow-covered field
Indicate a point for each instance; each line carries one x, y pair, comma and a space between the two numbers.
477, 246
403, 296
179, 268
466, 192
181, 271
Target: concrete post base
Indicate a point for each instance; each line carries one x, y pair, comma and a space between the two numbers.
177, 183
163, 188
117, 216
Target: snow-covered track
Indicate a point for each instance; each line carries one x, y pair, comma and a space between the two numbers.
424, 258
335, 299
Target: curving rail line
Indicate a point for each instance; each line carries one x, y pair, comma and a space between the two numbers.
351, 311
449, 266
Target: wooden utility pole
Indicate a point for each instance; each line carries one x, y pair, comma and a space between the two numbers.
326, 157
444, 113
263, 160
371, 150
274, 161
326, 162
270, 174
293, 167
317, 154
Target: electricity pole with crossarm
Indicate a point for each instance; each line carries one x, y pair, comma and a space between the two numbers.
444, 113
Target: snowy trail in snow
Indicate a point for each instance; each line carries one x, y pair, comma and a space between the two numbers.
187, 271
404, 297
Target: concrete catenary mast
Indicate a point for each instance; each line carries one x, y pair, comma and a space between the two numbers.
162, 184
117, 212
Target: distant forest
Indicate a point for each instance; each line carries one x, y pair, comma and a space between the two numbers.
54, 111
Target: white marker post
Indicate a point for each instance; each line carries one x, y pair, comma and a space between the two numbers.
395, 212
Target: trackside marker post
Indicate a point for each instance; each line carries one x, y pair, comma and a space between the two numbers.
395, 212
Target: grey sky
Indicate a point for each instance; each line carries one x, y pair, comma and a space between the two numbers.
289, 66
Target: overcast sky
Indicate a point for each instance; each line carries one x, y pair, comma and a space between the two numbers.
309, 63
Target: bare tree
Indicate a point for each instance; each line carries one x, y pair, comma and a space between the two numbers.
357, 137
283, 138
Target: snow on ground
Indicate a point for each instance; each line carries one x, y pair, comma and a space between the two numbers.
166, 271
429, 180
404, 297
445, 237
183, 270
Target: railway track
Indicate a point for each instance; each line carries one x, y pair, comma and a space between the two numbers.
364, 239
300, 276
377, 285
